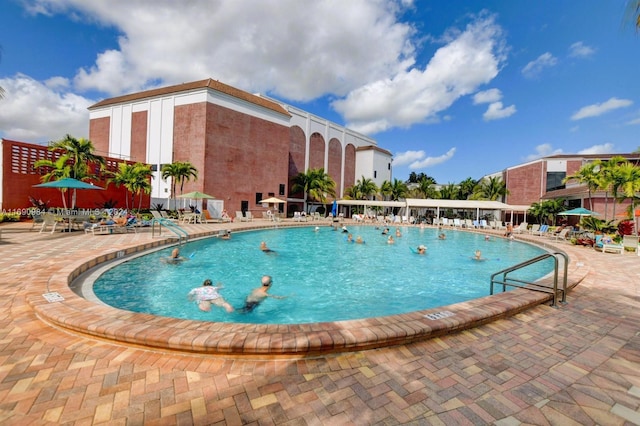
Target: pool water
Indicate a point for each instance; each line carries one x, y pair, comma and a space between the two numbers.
324, 277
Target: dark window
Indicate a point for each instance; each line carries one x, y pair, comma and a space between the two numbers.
375, 174
555, 180
389, 166
154, 167
244, 206
258, 197
281, 192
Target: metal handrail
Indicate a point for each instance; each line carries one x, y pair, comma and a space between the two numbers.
177, 230
514, 282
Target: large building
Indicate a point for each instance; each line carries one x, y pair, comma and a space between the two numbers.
544, 179
245, 147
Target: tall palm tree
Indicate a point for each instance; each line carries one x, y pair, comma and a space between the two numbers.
315, 184
610, 178
76, 161
426, 188
631, 186
587, 174
179, 172
386, 189
81, 152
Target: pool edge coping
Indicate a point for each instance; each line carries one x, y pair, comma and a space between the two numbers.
103, 322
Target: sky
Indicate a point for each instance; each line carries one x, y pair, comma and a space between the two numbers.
453, 89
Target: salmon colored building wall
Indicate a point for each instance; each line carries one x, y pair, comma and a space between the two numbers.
99, 129
335, 162
20, 175
526, 184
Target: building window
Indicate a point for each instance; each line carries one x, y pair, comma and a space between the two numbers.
375, 174
555, 180
388, 166
281, 192
154, 167
258, 197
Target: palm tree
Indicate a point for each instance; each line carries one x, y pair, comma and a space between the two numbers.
81, 153
366, 187
426, 188
631, 186
315, 184
450, 191
135, 178
610, 178
491, 189
56, 170
179, 172
386, 189
466, 187
587, 174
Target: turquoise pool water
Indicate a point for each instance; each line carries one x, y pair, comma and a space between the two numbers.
324, 277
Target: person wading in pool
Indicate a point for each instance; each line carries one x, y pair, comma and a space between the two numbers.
265, 249
257, 295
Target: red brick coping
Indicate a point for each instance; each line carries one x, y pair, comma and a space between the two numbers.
80, 315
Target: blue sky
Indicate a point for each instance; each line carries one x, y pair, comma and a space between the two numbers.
453, 89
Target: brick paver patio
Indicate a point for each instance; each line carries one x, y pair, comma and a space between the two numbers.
578, 364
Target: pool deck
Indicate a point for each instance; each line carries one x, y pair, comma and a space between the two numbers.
576, 364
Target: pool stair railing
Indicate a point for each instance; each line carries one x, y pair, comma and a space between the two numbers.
178, 232
501, 277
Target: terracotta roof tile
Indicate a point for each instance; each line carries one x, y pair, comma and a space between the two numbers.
185, 87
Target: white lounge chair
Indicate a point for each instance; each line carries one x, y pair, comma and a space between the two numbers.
240, 217
534, 228
48, 219
521, 228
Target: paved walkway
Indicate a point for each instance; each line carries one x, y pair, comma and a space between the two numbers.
579, 364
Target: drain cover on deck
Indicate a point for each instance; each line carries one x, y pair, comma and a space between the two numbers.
53, 297
439, 315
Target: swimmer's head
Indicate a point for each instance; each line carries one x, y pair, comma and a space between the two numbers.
207, 282
266, 281
175, 253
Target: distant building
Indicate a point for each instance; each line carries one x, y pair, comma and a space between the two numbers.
543, 179
245, 147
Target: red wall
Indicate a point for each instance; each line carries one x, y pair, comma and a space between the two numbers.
19, 177
525, 183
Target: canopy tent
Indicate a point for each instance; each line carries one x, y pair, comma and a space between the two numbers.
438, 204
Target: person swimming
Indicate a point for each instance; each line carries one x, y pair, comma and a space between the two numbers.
258, 295
265, 249
422, 249
478, 256
174, 258
208, 295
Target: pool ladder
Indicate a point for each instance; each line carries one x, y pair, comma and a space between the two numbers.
178, 232
505, 281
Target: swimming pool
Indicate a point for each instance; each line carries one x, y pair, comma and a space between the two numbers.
326, 278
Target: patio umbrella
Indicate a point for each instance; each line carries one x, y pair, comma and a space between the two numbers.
272, 200
67, 183
580, 211
196, 195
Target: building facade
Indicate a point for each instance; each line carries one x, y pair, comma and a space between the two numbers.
544, 179
245, 147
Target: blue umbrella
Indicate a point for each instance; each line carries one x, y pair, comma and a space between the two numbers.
580, 211
334, 209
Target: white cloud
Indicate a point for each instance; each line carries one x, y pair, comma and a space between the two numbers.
33, 111
599, 109
543, 150
581, 50
418, 160
487, 96
469, 59
605, 148
291, 49
534, 68
496, 111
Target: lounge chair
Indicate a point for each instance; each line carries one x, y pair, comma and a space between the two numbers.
484, 224
248, 216
542, 231
240, 217
562, 234
457, 223
534, 228
631, 242
607, 247
520, 228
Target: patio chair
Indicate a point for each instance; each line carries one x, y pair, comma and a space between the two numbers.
542, 231
48, 219
240, 217
534, 228
562, 234
521, 228
248, 216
